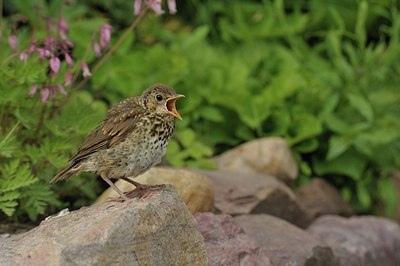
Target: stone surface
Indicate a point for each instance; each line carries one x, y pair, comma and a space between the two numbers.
269, 156
362, 241
226, 242
194, 188
319, 198
157, 230
284, 243
244, 193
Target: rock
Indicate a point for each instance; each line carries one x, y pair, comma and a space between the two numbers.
319, 198
240, 193
284, 243
157, 230
268, 156
364, 240
195, 189
226, 242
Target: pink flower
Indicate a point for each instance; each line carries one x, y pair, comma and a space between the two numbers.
68, 79
60, 88
31, 49
69, 60
63, 27
155, 5
97, 50
55, 65
49, 43
43, 53
171, 6
44, 95
137, 6
13, 42
33, 90
105, 35
23, 56
86, 70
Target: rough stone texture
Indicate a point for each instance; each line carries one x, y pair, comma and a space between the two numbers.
319, 198
157, 230
284, 243
360, 241
226, 242
240, 193
194, 188
269, 156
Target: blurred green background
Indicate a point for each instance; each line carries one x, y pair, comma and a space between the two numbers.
324, 75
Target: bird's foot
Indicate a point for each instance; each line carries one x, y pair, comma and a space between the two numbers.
143, 191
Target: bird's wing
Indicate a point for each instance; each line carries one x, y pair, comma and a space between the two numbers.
120, 121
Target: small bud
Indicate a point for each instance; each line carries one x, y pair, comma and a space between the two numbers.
55, 65
63, 26
171, 6
69, 60
105, 35
68, 79
13, 42
97, 50
86, 70
137, 6
33, 90
155, 5
60, 88
23, 56
44, 95
31, 49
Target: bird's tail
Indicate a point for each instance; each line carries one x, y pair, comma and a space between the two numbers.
65, 174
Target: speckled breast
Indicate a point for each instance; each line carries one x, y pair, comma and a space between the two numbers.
141, 151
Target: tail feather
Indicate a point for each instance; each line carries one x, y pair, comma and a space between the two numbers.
65, 174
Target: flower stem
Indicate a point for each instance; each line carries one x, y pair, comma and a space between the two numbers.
115, 46
101, 62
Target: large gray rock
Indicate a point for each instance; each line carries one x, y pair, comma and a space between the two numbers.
157, 230
360, 241
195, 190
226, 242
284, 243
245, 193
268, 156
320, 198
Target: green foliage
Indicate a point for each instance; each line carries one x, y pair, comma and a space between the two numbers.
322, 75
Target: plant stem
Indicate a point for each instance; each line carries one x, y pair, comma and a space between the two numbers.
101, 62
114, 47
40, 123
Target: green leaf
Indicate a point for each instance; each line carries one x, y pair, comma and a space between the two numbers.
212, 114
348, 164
186, 137
337, 146
361, 105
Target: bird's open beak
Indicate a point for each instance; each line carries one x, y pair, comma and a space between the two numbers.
170, 105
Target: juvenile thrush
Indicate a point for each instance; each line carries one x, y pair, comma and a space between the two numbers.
132, 138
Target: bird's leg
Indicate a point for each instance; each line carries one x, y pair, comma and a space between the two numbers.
141, 190
122, 195
136, 184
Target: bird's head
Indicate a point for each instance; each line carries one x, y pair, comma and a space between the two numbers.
161, 99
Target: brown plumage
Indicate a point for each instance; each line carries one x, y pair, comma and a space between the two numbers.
132, 138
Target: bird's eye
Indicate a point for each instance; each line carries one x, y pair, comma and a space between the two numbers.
159, 97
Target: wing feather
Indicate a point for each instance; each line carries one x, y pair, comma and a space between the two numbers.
120, 121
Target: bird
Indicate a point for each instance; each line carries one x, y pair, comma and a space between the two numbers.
131, 139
